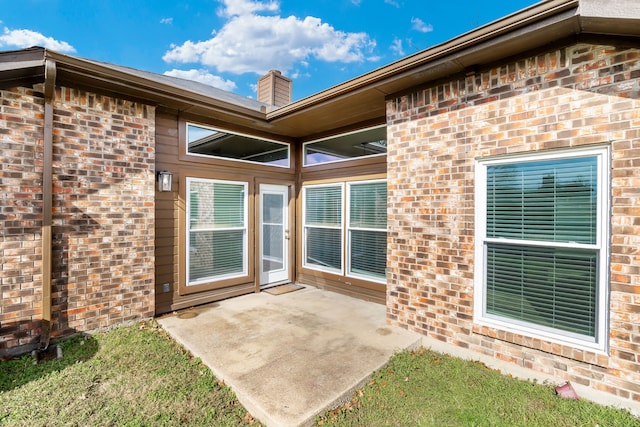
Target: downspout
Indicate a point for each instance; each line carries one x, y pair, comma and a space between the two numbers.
47, 200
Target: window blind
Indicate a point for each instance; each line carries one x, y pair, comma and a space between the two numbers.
323, 227
217, 230
551, 287
546, 284
552, 200
368, 229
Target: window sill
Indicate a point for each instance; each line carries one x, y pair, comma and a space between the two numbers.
576, 351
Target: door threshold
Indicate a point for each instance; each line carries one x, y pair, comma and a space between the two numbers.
284, 288
275, 284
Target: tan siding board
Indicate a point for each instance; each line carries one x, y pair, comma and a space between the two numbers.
186, 301
378, 297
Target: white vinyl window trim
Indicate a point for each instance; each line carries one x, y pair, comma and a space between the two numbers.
240, 230
375, 226
313, 256
597, 341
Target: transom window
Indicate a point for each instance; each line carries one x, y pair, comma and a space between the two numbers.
363, 143
207, 141
325, 229
541, 254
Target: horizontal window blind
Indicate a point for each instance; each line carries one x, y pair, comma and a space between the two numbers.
551, 287
368, 229
216, 205
323, 227
323, 206
215, 254
323, 247
368, 253
368, 205
553, 200
217, 242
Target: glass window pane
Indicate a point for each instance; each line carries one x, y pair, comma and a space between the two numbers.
216, 205
215, 254
272, 208
323, 206
551, 200
368, 253
369, 142
211, 142
217, 241
368, 205
323, 247
550, 287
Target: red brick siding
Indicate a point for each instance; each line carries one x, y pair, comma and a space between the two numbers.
103, 217
21, 129
580, 95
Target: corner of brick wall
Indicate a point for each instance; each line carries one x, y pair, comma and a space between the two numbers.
578, 95
103, 213
21, 129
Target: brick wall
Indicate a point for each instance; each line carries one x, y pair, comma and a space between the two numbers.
103, 214
21, 130
578, 95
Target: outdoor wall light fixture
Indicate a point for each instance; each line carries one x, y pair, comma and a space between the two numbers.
165, 179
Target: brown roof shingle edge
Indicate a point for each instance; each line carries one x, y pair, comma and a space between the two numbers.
539, 24
531, 27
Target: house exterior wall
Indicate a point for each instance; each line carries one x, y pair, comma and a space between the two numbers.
103, 213
21, 130
583, 93
170, 209
339, 172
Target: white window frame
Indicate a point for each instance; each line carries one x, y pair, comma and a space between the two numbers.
245, 228
305, 228
600, 342
348, 230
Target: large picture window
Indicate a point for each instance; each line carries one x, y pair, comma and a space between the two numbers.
217, 230
365, 229
541, 233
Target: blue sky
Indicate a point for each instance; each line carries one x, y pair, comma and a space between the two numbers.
231, 43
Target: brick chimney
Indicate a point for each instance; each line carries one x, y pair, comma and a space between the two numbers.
274, 89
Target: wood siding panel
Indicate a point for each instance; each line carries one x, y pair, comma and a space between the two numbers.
169, 206
371, 295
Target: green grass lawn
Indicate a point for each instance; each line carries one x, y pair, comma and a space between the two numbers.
134, 376
137, 376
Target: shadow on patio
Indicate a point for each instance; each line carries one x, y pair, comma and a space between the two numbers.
290, 357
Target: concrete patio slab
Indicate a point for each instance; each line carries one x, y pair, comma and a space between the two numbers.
290, 357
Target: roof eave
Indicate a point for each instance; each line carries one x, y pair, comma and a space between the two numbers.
530, 28
79, 71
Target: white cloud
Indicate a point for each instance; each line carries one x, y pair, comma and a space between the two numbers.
203, 76
258, 43
27, 38
247, 7
396, 47
392, 3
419, 25
167, 21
